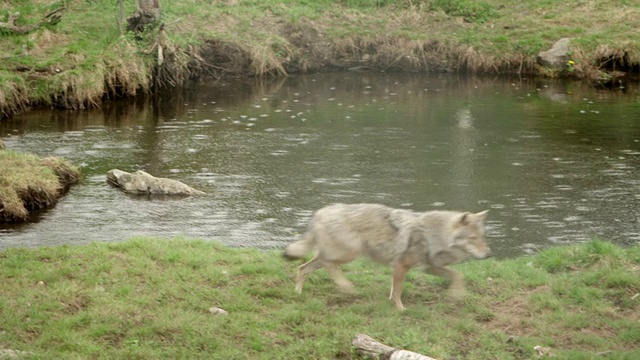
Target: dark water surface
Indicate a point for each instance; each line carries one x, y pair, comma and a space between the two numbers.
554, 162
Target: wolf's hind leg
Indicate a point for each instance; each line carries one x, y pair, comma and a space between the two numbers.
306, 269
338, 277
456, 289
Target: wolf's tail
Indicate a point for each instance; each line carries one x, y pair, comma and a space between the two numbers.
300, 248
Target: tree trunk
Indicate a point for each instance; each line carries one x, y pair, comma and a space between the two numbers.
147, 14
369, 347
120, 16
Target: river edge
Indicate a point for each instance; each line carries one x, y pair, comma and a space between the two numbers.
55, 66
29, 183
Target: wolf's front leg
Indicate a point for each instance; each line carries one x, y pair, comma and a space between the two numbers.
399, 271
456, 289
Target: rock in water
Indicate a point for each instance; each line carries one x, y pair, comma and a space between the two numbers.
142, 183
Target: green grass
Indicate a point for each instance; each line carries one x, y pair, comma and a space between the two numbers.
72, 64
149, 298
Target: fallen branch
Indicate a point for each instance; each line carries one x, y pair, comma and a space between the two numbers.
367, 346
51, 18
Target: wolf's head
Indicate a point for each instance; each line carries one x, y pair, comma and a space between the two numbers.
469, 229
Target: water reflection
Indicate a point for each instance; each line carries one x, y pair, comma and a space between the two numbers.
554, 162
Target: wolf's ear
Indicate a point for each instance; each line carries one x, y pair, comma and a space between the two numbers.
464, 218
482, 215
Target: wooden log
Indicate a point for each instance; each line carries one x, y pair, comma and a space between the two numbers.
367, 346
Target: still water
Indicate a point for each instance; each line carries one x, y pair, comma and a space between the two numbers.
554, 162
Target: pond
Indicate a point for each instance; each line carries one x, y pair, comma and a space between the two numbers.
555, 162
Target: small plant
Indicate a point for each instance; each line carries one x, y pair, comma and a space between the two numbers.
570, 68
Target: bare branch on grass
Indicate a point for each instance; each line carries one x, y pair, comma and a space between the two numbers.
51, 18
367, 346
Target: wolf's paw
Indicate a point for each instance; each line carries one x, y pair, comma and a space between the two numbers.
399, 307
457, 294
347, 288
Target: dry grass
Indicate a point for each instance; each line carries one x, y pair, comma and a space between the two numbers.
126, 74
416, 38
13, 95
46, 42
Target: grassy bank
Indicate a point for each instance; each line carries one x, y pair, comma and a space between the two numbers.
150, 298
29, 183
83, 59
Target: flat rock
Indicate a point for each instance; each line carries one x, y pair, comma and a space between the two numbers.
142, 183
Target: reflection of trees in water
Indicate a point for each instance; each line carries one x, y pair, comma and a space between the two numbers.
172, 103
351, 101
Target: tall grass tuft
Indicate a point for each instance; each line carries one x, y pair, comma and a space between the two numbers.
592, 254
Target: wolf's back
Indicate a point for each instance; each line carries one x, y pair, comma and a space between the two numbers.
341, 228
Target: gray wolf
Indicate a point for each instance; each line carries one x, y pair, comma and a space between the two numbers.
399, 238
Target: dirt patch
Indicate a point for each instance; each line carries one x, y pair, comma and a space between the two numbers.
77, 303
514, 316
315, 52
224, 59
517, 317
